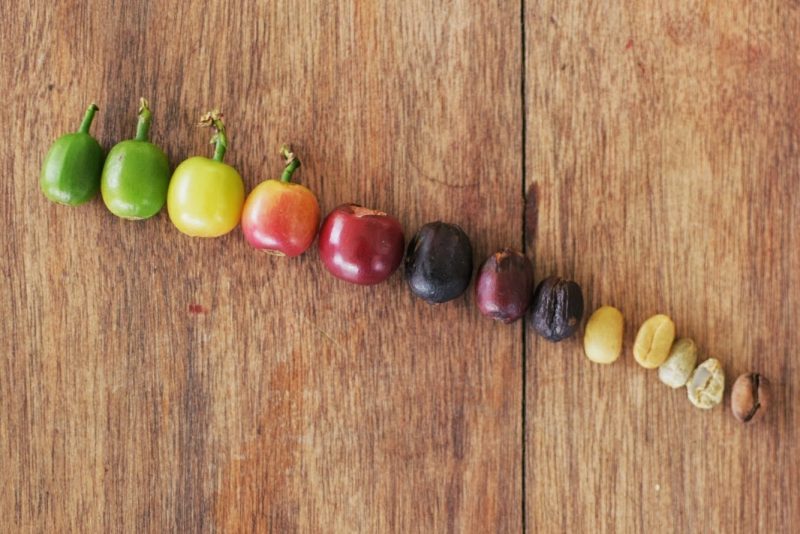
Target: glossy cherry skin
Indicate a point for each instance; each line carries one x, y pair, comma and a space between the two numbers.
361, 245
281, 218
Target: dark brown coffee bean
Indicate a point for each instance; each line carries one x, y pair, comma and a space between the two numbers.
557, 308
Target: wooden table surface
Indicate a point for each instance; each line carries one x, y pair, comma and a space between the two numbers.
151, 382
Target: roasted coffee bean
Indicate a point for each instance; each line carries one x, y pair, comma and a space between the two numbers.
750, 397
438, 263
557, 308
504, 287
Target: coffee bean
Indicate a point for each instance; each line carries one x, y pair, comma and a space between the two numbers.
678, 367
602, 339
750, 397
707, 384
653, 341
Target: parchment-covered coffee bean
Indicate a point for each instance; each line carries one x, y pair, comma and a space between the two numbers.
505, 285
707, 384
602, 339
557, 308
678, 367
750, 396
653, 341
438, 263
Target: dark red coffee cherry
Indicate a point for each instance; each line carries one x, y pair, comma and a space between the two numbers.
505, 285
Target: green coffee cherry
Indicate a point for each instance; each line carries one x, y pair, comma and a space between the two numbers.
136, 174
72, 167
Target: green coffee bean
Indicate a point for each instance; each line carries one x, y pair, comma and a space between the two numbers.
707, 384
678, 367
654, 341
602, 339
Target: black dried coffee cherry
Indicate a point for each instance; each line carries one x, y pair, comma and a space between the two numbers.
438, 264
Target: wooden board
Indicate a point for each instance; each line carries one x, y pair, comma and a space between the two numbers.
150, 382
662, 154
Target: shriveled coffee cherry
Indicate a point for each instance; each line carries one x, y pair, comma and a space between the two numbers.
438, 264
505, 285
557, 308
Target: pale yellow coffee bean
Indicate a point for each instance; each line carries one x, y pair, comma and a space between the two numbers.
680, 363
602, 339
707, 384
654, 341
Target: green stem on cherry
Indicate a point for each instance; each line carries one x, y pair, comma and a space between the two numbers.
143, 126
292, 163
213, 119
88, 118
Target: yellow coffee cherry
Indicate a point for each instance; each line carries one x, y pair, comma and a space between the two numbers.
602, 339
654, 341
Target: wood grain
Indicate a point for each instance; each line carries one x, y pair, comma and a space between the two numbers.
151, 382
662, 151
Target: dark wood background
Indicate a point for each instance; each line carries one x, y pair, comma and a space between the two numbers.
150, 382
